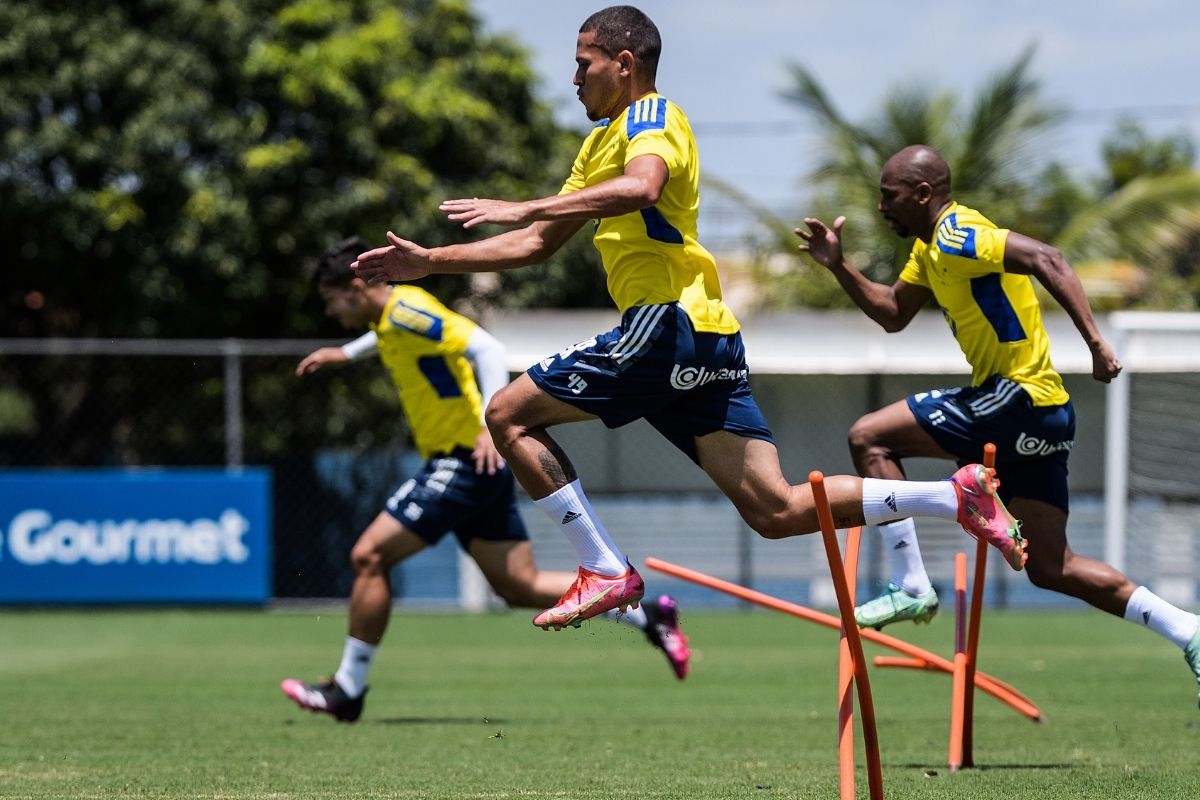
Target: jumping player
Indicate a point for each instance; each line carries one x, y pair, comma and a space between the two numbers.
979, 275
676, 358
464, 486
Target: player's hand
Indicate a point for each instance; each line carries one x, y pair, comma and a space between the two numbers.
319, 358
402, 260
1105, 365
821, 242
474, 211
485, 455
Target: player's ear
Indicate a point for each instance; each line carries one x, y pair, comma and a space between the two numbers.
626, 61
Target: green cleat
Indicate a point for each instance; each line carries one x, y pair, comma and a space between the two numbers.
1191, 653
896, 605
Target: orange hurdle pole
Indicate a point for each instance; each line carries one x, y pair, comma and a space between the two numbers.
920, 663
862, 682
977, 589
985, 682
845, 681
958, 690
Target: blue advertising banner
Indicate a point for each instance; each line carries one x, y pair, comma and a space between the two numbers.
120, 536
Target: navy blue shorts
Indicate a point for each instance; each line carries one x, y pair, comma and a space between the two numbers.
447, 495
1032, 442
655, 366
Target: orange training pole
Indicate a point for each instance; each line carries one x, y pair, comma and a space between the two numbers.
958, 689
846, 679
977, 589
850, 629
987, 683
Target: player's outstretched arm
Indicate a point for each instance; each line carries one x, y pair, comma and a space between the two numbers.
1027, 256
319, 358
893, 307
402, 260
364, 345
639, 186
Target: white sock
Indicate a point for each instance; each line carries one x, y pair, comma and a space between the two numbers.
570, 510
635, 617
884, 500
904, 556
1149, 610
356, 663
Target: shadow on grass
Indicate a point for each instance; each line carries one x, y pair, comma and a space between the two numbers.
942, 768
438, 721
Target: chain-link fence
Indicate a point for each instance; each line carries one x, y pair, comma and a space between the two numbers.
337, 447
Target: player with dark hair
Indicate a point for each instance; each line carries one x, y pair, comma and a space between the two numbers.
464, 486
676, 358
979, 275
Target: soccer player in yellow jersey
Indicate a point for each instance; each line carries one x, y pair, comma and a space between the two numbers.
676, 359
444, 367
980, 276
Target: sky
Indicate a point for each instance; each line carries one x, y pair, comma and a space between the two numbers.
725, 63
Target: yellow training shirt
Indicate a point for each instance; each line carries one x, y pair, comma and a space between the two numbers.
423, 344
652, 256
993, 314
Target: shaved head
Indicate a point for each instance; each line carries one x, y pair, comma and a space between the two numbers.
920, 163
914, 188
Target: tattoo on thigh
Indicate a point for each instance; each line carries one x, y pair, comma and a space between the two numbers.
556, 466
844, 522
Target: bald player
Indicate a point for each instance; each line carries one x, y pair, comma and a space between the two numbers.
979, 275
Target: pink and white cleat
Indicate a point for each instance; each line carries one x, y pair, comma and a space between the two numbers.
983, 515
591, 595
663, 631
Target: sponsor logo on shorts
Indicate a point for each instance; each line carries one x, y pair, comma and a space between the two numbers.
684, 378
1033, 446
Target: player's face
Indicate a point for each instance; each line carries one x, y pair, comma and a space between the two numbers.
900, 203
596, 78
346, 304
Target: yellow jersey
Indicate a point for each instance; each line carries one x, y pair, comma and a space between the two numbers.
423, 345
994, 315
653, 256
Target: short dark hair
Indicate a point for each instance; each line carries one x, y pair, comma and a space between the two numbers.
333, 268
620, 28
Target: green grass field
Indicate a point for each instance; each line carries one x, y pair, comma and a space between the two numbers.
186, 705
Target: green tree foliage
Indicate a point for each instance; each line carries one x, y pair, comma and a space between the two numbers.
171, 168
988, 140
167, 168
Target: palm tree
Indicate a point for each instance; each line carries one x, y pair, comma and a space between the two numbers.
989, 146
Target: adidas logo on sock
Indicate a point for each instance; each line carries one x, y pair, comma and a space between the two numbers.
1145, 617
900, 545
569, 516
891, 502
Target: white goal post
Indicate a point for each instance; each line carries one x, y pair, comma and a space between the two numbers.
1146, 343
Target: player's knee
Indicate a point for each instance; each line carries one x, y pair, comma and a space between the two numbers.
1044, 574
498, 416
366, 559
862, 437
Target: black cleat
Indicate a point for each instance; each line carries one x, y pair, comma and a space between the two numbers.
325, 696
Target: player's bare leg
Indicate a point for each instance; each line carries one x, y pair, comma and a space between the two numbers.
381, 546
518, 417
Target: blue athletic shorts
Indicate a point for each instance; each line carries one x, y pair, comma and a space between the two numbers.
1032, 442
655, 366
447, 495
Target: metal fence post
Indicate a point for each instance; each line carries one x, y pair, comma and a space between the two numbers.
234, 451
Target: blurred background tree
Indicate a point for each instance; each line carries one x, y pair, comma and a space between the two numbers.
1134, 234
169, 169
